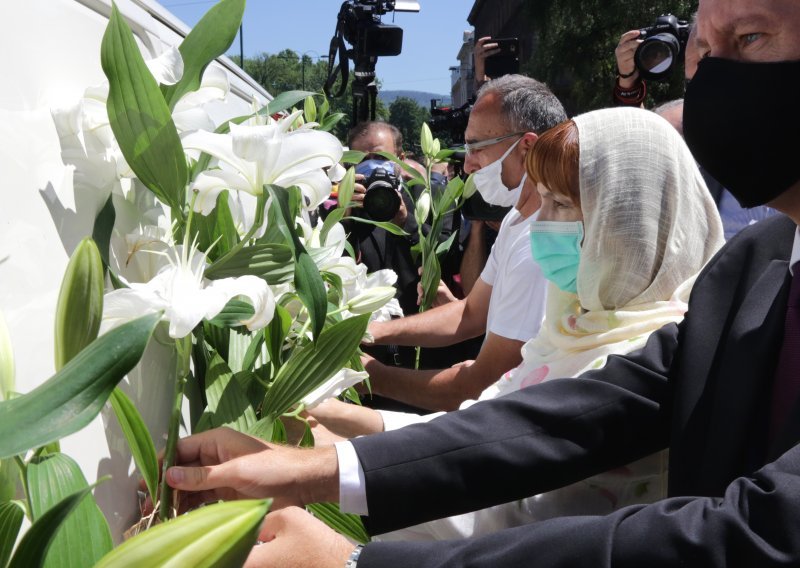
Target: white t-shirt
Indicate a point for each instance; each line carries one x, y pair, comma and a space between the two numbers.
517, 303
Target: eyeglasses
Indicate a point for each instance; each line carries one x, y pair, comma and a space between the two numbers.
470, 147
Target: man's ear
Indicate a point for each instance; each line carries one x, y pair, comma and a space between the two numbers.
401, 155
528, 140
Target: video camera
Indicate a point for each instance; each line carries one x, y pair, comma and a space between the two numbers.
359, 24
664, 44
449, 120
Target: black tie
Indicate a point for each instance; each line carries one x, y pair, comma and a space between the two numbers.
786, 388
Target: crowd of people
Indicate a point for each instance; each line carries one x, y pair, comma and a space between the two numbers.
635, 399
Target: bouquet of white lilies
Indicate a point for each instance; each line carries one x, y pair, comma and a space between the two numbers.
203, 241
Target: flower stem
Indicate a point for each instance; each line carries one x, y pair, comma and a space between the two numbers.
23, 474
184, 348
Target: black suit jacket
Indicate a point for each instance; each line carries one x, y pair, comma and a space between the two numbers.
701, 388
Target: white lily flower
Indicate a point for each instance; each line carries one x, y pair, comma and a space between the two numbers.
254, 155
186, 297
356, 281
334, 386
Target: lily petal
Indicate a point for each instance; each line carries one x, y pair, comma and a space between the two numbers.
334, 386
167, 68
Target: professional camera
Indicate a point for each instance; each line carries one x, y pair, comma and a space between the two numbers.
664, 44
449, 120
359, 24
382, 199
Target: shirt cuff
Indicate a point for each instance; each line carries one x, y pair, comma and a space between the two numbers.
352, 487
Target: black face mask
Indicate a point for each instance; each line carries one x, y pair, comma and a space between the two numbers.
742, 123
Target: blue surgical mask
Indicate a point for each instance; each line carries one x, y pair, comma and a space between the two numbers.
368, 166
556, 248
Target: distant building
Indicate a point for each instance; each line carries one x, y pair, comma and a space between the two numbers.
462, 86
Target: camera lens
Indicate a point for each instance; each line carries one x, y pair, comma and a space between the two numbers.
381, 202
656, 56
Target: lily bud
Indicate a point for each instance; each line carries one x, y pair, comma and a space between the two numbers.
218, 535
80, 302
426, 140
422, 207
370, 300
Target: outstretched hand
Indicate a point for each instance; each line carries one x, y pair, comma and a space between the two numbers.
223, 464
292, 538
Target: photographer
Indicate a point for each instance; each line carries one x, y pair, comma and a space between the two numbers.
377, 248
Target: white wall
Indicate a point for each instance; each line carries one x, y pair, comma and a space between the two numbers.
51, 53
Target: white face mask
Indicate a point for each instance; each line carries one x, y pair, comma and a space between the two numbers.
489, 182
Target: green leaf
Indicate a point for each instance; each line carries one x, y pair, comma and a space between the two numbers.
272, 262
140, 117
138, 437
323, 108
307, 280
50, 479
254, 350
414, 173
80, 302
431, 274
353, 157
385, 225
210, 38
33, 547
330, 121
284, 101
233, 314
276, 333
215, 536
307, 441
344, 523
312, 364
333, 217
8, 481
216, 232
227, 403
454, 190
11, 515
71, 398
347, 187
445, 246
103, 226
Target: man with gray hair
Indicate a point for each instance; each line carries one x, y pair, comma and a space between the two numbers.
507, 301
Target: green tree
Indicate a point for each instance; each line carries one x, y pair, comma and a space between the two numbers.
287, 71
575, 41
408, 117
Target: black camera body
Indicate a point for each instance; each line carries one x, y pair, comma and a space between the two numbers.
382, 199
663, 45
363, 29
449, 120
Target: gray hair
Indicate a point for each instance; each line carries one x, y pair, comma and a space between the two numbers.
669, 105
528, 104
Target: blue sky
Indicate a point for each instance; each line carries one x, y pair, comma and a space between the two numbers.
431, 38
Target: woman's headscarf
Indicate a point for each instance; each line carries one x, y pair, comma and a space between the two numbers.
650, 225
649, 221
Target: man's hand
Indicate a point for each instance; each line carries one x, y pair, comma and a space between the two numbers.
224, 464
346, 420
484, 47
624, 53
402, 213
443, 293
294, 539
359, 191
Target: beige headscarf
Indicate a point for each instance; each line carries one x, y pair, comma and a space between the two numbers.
650, 223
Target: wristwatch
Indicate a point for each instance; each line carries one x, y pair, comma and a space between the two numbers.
352, 560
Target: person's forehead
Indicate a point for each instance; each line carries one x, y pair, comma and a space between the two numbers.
486, 119
729, 16
376, 139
